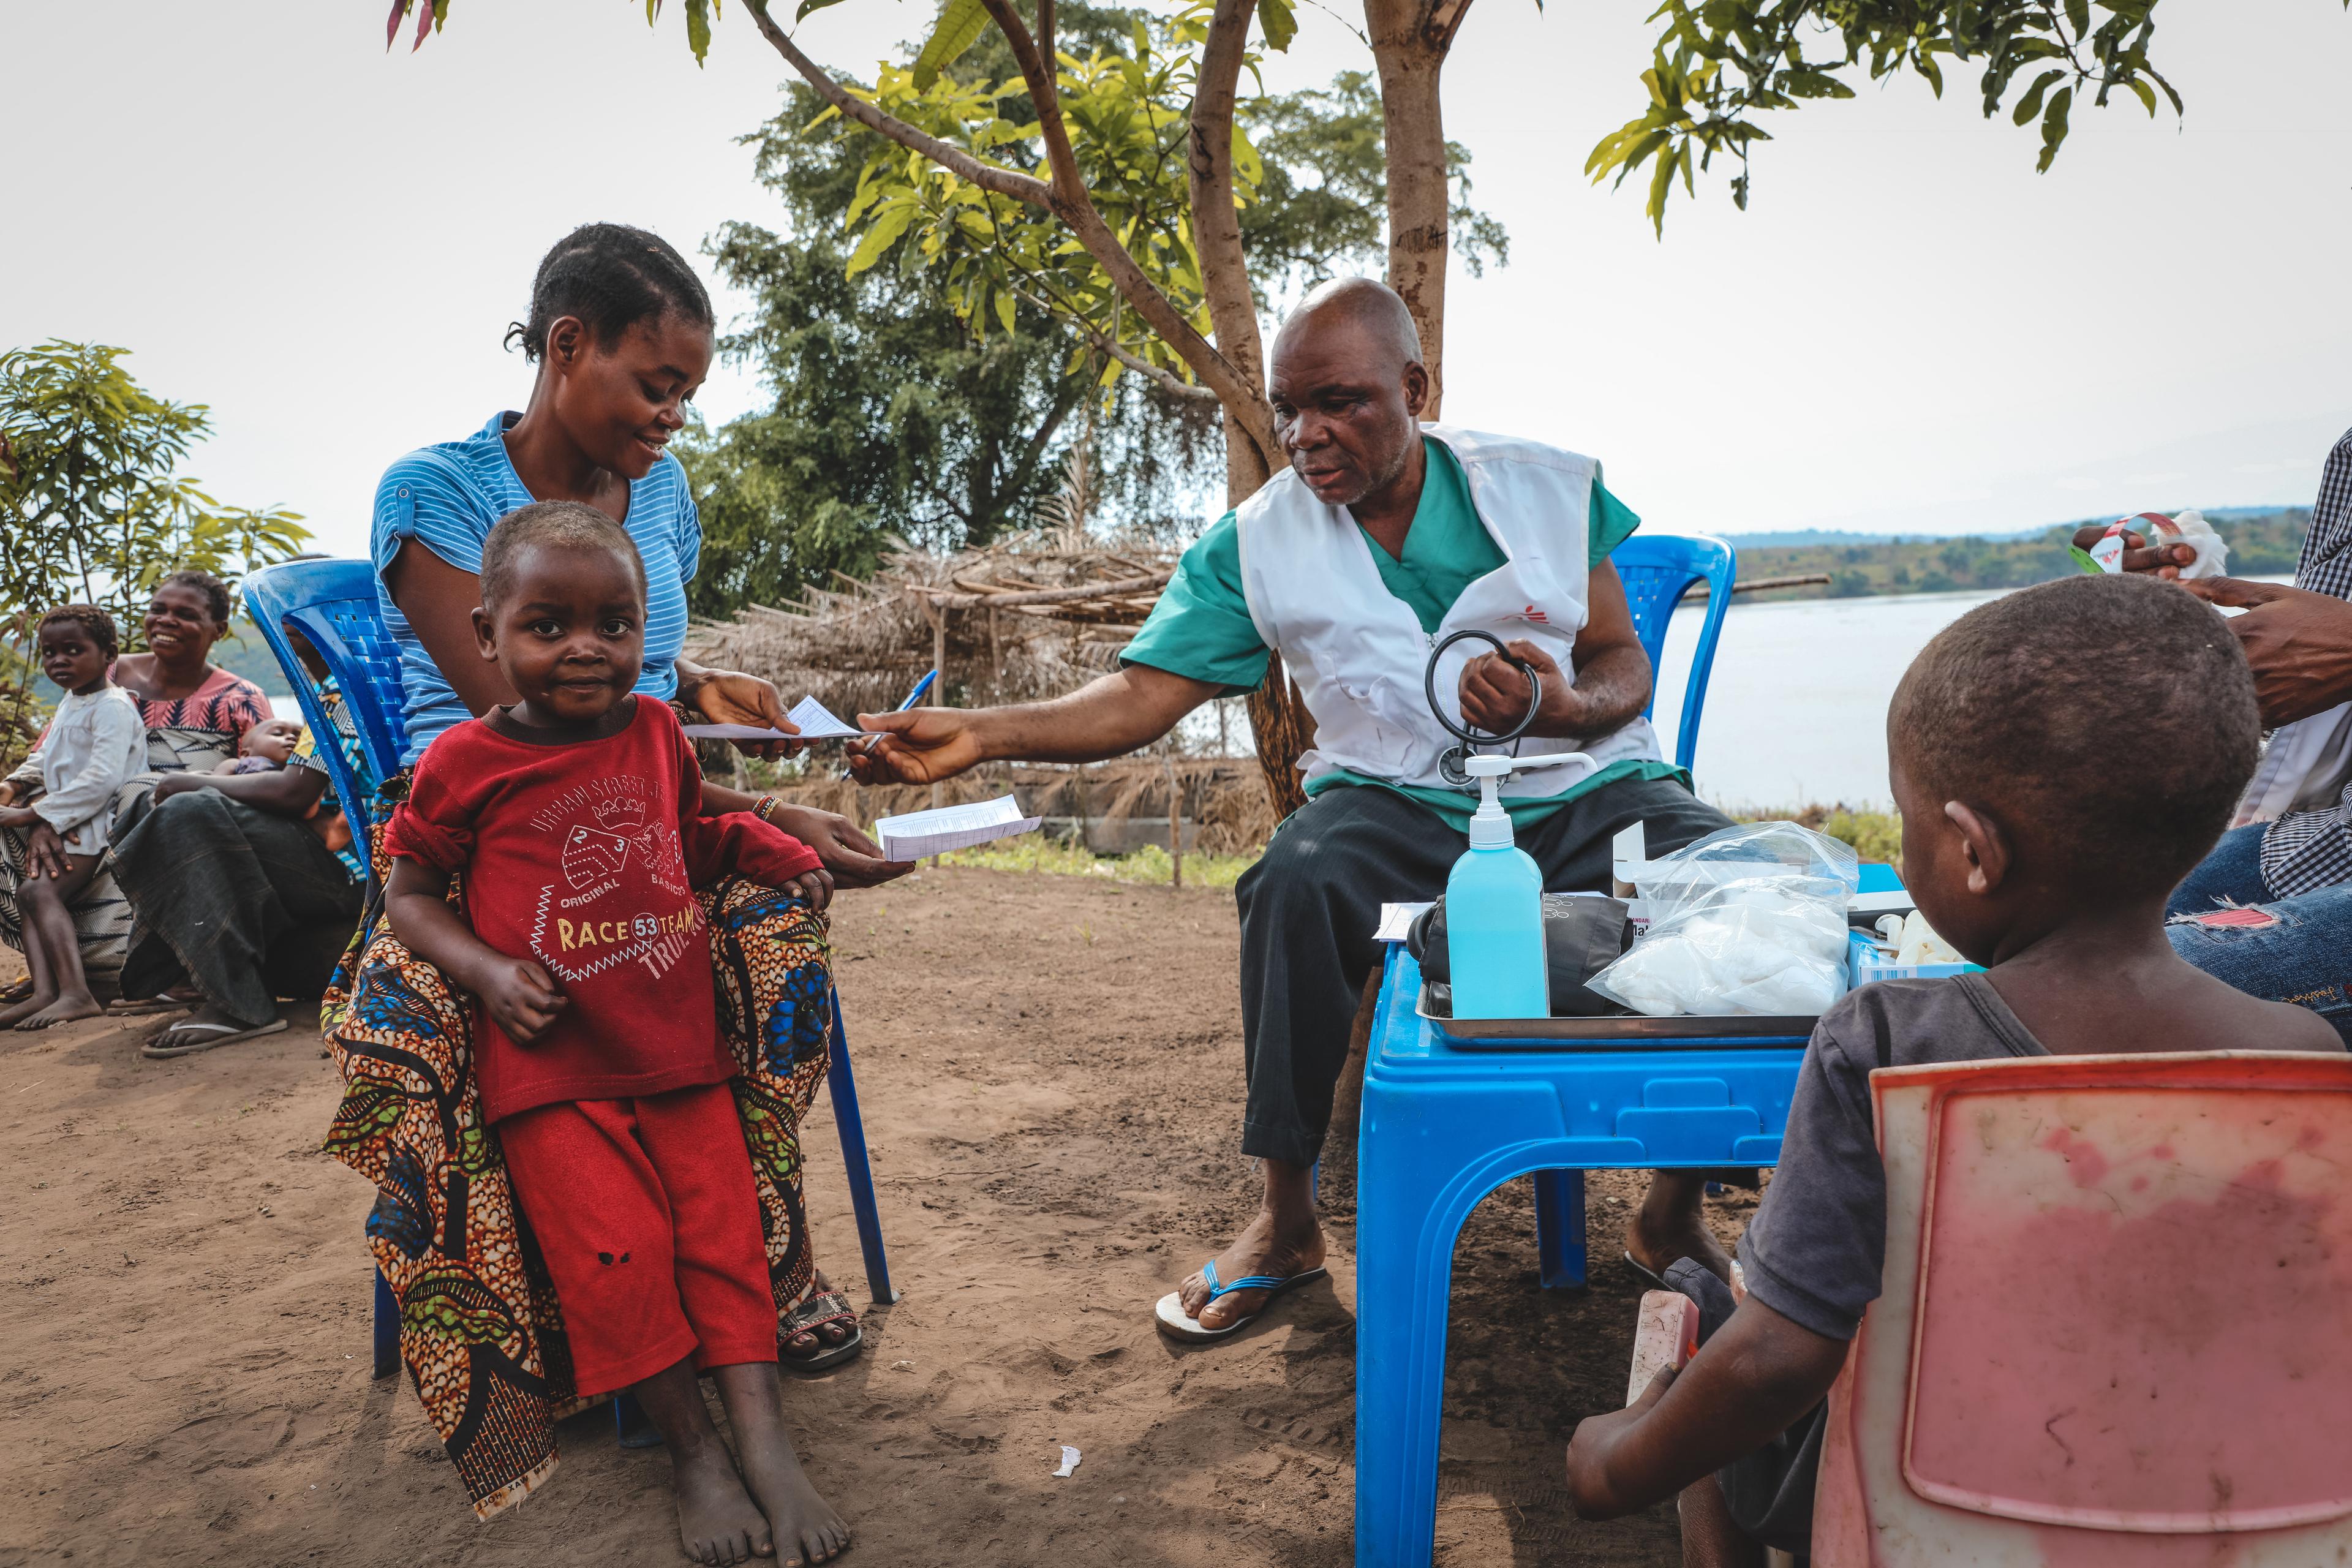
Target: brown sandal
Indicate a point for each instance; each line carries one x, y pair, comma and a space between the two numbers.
824, 1307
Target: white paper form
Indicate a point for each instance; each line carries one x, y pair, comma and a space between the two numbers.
1396, 921
919, 834
811, 718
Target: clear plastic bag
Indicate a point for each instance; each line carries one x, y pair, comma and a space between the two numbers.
1751, 919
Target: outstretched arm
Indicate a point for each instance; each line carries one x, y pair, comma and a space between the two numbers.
284, 791
1751, 1383
1105, 717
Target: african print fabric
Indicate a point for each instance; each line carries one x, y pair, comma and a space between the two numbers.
480, 1331
227, 703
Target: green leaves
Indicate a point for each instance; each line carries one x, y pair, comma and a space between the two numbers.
91, 503
890, 221
1718, 64
2054, 128
1280, 23
958, 27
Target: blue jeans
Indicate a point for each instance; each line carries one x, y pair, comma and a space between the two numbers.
2296, 950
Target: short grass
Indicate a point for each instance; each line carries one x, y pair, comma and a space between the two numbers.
1150, 865
1874, 835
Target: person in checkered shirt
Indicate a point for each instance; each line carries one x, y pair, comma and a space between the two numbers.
2269, 910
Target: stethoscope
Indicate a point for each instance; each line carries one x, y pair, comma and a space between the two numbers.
1451, 766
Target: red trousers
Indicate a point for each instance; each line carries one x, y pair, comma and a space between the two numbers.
647, 1214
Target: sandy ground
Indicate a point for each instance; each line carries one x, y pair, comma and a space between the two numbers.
1052, 1074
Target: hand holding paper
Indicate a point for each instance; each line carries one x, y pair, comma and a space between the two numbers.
812, 721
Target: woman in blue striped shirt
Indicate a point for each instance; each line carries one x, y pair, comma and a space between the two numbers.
621, 331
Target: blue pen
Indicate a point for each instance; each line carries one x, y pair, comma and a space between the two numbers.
912, 698
920, 687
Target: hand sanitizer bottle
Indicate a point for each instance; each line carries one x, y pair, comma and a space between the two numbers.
1494, 913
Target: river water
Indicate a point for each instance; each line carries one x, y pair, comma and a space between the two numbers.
1796, 707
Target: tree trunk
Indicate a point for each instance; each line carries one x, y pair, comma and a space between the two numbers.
1279, 726
1217, 239
1410, 40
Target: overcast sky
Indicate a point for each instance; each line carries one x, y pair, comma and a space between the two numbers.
1909, 329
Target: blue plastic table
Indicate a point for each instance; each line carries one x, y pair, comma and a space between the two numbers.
1444, 1126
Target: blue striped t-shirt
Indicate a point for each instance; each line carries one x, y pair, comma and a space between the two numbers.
447, 498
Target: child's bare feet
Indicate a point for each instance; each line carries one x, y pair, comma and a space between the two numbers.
64, 1010
718, 1522
24, 1008
806, 1530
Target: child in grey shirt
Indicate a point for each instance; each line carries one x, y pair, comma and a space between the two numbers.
2012, 742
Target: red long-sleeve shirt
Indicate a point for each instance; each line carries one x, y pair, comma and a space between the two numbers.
584, 857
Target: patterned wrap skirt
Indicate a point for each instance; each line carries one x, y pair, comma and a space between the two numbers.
480, 1331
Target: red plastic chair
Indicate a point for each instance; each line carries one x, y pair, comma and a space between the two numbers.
2116, 1326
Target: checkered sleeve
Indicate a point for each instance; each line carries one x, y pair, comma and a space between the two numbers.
2306, 850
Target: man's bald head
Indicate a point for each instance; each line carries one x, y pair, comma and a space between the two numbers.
1348, 388
1369, 307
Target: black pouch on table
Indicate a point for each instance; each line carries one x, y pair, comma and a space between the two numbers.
1582, 935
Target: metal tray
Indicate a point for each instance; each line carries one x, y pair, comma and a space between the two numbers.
1635, 1030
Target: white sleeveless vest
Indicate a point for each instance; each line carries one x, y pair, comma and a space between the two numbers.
1358, 651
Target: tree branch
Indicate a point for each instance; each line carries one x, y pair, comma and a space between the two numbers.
1217, 237
1166, 379
1064, 196
1240, 392
1037, 71
954, 159
1443, 20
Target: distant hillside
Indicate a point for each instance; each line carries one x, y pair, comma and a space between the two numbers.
243, 652
2262, 544
1787, 536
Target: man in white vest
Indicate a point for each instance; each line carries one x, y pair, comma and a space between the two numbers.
1383, 536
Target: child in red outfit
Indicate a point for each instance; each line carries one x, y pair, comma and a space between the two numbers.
575, 816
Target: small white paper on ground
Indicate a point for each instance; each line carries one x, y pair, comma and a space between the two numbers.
919, 834
1396, 920
1069, 1460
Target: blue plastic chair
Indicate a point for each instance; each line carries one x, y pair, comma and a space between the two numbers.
333, 604
1658, 569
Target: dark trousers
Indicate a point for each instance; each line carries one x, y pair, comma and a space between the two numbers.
1309, 906
247, 905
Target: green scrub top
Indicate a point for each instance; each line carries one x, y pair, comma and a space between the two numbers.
1200, 627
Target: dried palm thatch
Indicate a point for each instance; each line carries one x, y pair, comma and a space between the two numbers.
1030, 616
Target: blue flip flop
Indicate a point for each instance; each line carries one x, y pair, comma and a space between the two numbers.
1177, 1326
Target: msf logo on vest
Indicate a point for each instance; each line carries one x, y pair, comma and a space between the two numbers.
1534, 613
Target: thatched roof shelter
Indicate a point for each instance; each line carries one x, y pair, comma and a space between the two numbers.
1031, 616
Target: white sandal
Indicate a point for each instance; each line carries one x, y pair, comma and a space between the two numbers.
230, 1034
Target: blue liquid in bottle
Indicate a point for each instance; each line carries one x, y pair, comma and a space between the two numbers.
1494, 915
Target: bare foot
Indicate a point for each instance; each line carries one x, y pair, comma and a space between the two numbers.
1266, 1247
806, 1529
717, 1523
24, 1008
64, 1010
1671, 1224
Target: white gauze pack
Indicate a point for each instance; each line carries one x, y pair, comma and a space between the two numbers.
1748, 920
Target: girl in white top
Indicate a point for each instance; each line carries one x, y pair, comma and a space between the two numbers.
95, 743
